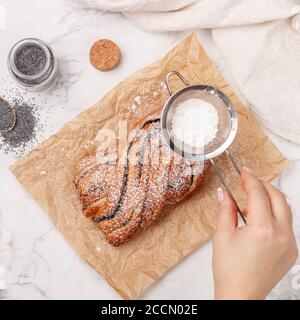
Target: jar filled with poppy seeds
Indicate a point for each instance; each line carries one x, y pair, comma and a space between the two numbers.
32, 64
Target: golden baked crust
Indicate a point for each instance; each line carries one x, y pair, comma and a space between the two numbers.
125, 197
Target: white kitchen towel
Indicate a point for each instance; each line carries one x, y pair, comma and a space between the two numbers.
259, 41
264, 61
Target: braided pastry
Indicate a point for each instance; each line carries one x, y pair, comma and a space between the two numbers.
125, 197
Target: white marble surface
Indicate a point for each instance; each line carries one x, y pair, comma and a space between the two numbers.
35, 261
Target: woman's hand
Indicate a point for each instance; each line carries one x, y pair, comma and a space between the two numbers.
249, 261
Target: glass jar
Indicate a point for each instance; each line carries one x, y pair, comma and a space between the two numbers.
32, 64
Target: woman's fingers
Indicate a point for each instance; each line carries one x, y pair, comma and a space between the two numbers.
264, 204
227, 220
280, 207
259, 209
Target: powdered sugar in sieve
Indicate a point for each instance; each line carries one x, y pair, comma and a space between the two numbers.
195, 122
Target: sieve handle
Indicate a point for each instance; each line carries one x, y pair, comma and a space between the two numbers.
230, 156
219, 173
167, 80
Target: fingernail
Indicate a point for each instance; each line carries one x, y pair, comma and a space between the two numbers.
220, 194
249, 170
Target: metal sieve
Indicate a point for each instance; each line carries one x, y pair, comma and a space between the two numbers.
227, 127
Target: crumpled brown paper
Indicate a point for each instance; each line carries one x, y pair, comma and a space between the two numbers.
47, 174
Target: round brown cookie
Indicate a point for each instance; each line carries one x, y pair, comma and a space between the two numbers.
105, 55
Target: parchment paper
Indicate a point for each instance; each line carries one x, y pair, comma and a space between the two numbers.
47, 174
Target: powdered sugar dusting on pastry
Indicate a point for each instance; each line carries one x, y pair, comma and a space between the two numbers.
125, 197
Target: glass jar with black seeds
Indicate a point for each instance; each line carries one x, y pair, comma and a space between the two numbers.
32, 64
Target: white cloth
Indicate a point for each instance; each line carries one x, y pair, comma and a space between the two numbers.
265, 66
258, 39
